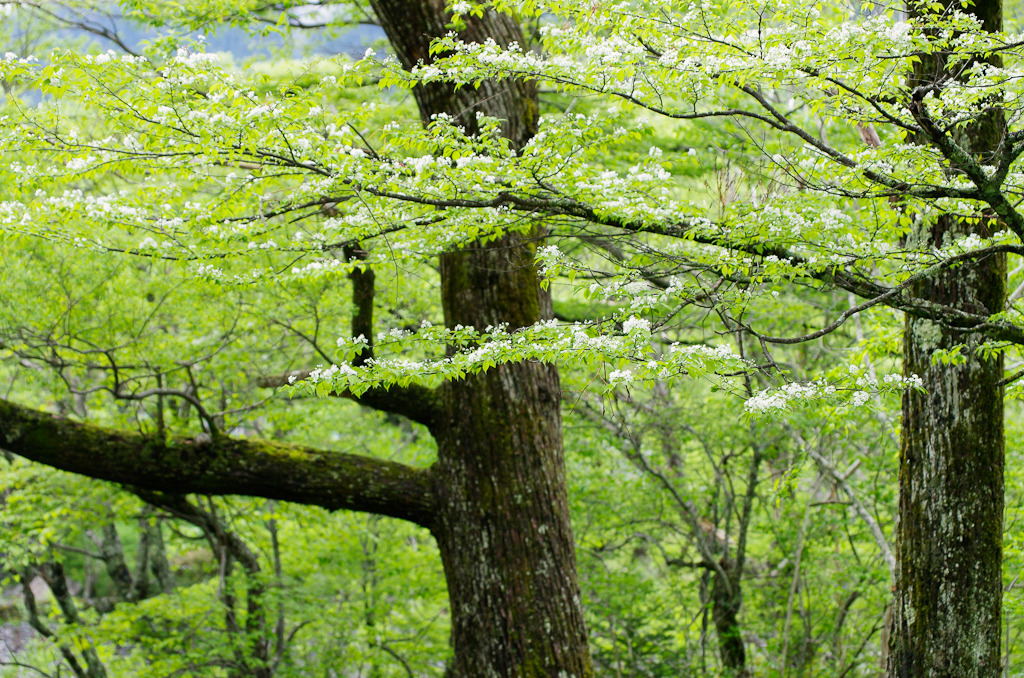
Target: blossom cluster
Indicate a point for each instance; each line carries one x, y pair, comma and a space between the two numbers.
636, 360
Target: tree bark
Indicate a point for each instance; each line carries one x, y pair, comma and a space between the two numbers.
503, 518
112, 554
948, 588
949, 528
503, 527
220, 465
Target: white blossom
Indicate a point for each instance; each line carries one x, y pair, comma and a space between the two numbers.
636, 325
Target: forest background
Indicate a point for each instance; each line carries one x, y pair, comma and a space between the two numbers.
677, 242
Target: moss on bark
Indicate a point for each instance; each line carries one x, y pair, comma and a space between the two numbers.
220, 465
948, 588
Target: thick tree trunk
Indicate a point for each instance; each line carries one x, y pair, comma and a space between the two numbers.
502, 511
949, 530
503, 526
948, 589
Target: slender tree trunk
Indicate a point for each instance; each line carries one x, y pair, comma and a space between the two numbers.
502, 510
158, 565
726, 600
53, 573
948, 592
727, 586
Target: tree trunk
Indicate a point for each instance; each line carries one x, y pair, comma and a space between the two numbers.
949, 529
503, 526
726, 600
948, 589
502, 509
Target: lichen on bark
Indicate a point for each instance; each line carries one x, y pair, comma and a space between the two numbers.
948, 579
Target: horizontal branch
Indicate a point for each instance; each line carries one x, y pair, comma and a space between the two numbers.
220, 466
897, 297
415, 402
947, 316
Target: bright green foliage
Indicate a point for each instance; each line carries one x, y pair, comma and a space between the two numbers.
331, 579
716, 179
281, 173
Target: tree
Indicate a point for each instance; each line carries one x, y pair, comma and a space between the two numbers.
947, 606
495, 500
849, 166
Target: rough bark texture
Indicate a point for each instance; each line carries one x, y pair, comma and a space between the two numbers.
504, 530
949, 530
503, 517
411, 26
220, 465
948, 589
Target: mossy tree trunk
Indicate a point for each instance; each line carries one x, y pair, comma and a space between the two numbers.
948, 588
502, 510
947, 614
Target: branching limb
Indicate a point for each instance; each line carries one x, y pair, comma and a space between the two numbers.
418, 403
34, 620
53, 574
80, 22
221, 465
108, 541
251, 650
415, 402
